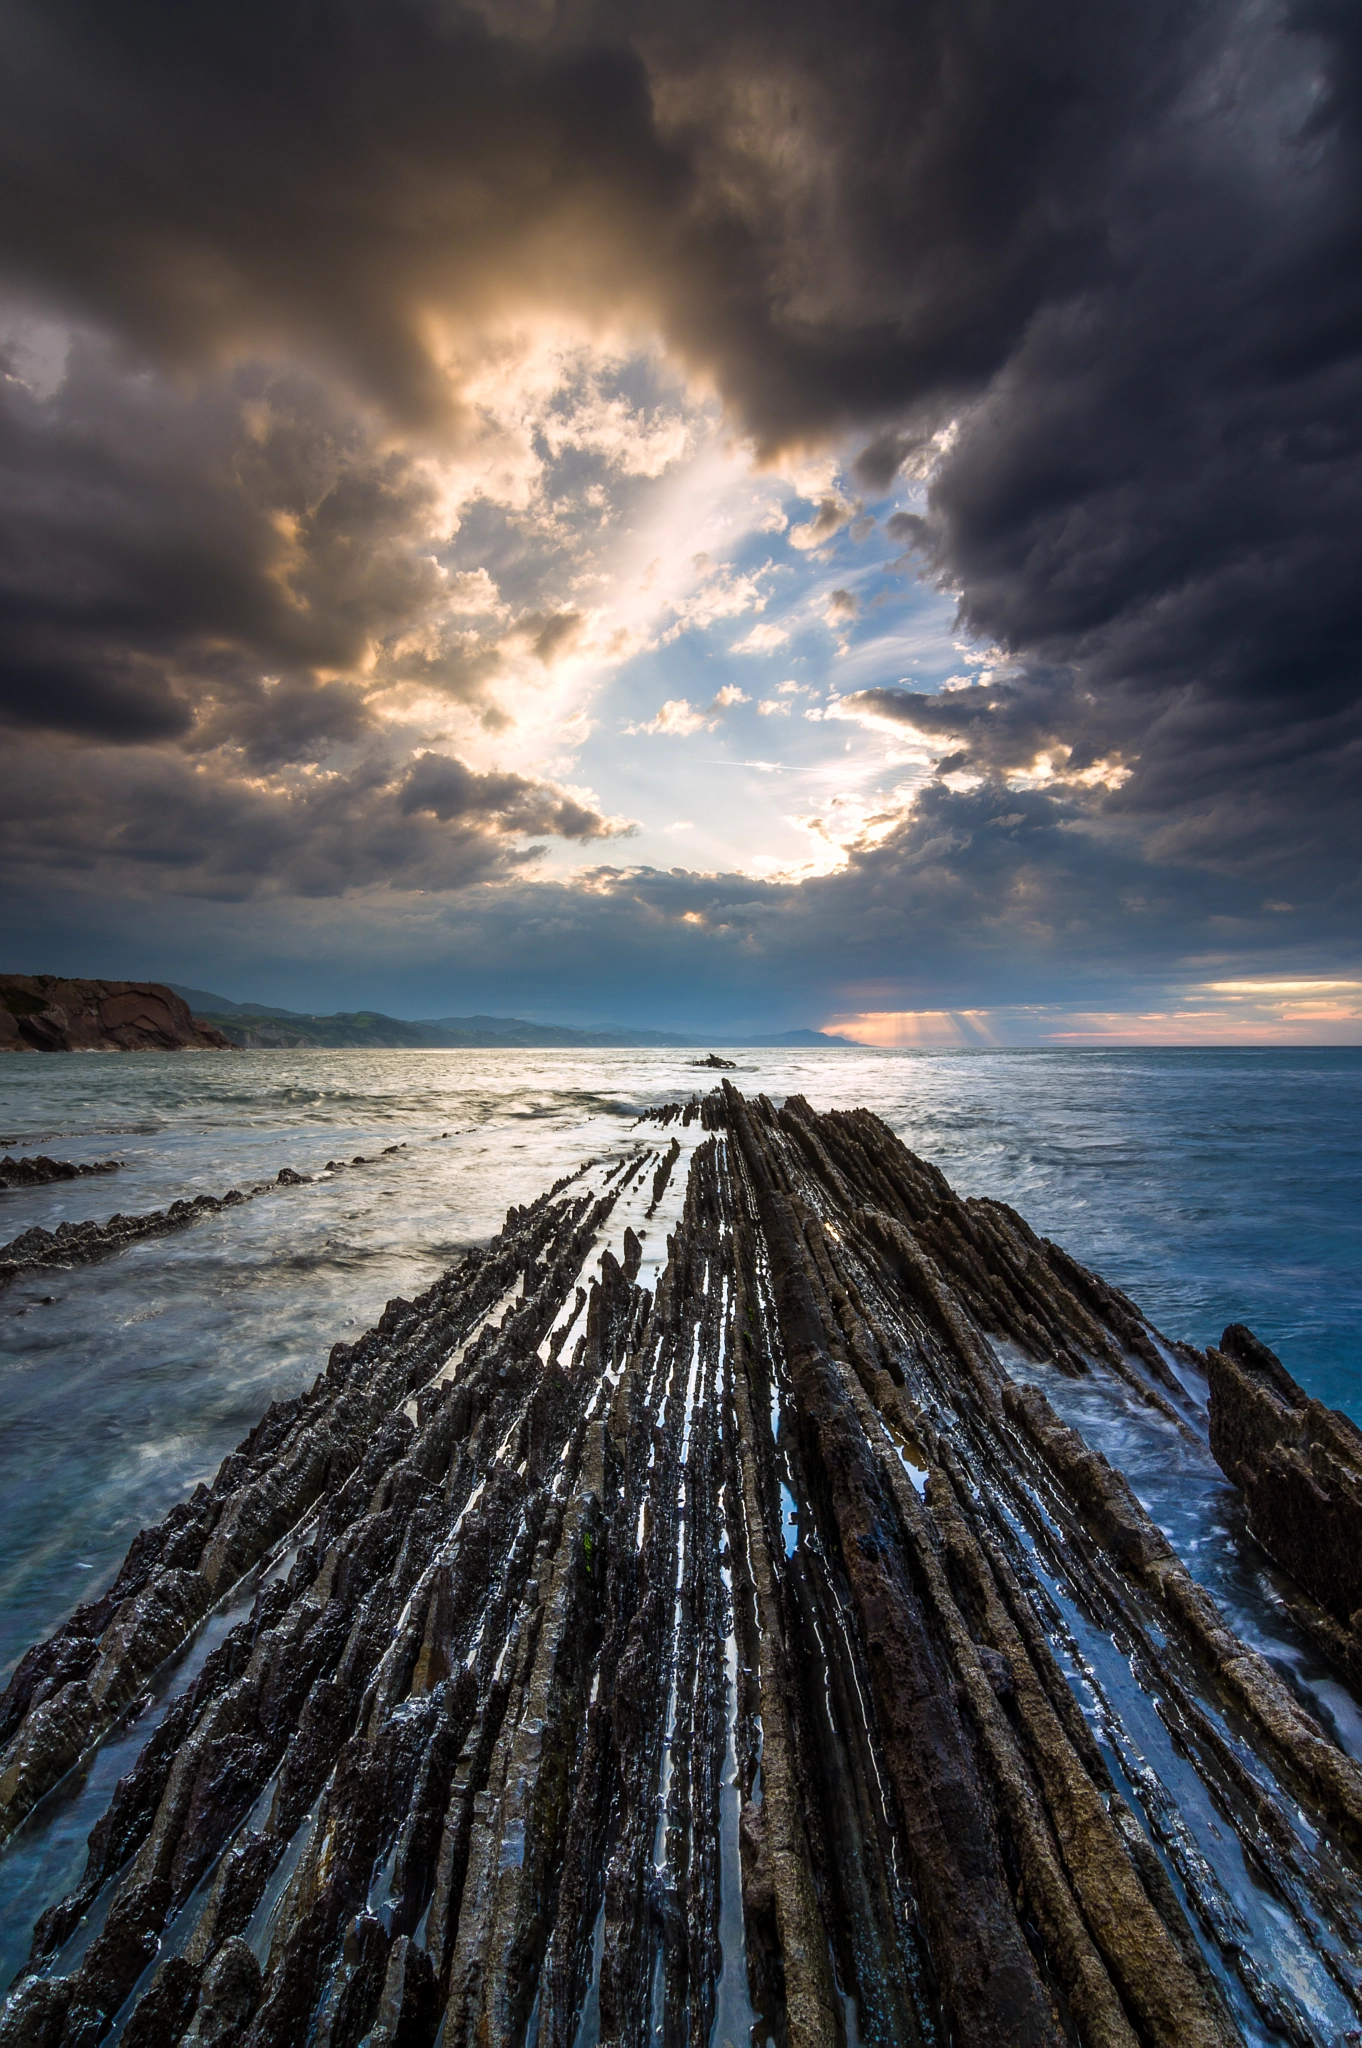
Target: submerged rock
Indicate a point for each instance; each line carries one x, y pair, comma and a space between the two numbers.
631, 1665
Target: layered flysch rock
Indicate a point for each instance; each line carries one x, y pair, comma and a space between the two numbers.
678, 1625
50, 1013
80, 1244
1300, 1467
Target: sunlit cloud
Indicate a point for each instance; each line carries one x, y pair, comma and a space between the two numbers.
763, 639
1196, 1026
831, 514
1176, 1024
927, 1030
1281, 988
677, 719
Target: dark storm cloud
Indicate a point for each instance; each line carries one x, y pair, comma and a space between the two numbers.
1011, 892
143, 823
447, 789
834, 210
994, 728
169, 553
992, 889
1154, 507
881, 460
1121, 246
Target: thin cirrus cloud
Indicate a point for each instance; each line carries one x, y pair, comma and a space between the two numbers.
406, 384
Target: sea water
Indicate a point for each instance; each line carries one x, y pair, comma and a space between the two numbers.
1213, 1186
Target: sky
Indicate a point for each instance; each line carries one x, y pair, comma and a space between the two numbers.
728, 517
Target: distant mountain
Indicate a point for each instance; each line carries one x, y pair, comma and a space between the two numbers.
260, 1030
205, 1005
260, 1025
516, 1031
263, 1027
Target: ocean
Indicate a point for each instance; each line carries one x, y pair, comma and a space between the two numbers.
1213, 1186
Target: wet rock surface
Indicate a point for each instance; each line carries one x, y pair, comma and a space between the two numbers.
79, 1244
41, 1171
680, 1625
1300, 1467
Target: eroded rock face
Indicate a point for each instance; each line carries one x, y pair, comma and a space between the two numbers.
659, 1662
1300, 1467
48, 1013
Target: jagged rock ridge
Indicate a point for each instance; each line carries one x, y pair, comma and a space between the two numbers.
80, 1244
40, 1171
628, 1663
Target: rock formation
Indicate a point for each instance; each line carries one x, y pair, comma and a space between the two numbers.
1300, 1467
80, 1244
41, 1171
751, 1650
47, 1013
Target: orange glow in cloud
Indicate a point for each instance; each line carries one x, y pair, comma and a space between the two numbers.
1283, 988
930, 1030
1304, 1013
1203, 1027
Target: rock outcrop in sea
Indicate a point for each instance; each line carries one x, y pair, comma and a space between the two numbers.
752, 1655
80, 1244
48, 1013
40, 1171
1300, 1467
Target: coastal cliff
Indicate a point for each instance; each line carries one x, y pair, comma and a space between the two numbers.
689, 1621
49, 1013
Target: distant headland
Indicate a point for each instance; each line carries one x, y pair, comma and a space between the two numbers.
49, 1013
260, 1025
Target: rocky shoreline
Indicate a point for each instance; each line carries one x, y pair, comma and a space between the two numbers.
670, 1642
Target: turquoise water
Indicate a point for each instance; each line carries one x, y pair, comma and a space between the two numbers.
1213, 1186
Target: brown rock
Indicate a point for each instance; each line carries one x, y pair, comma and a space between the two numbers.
228, 1997
1299, 1465
50, 1013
